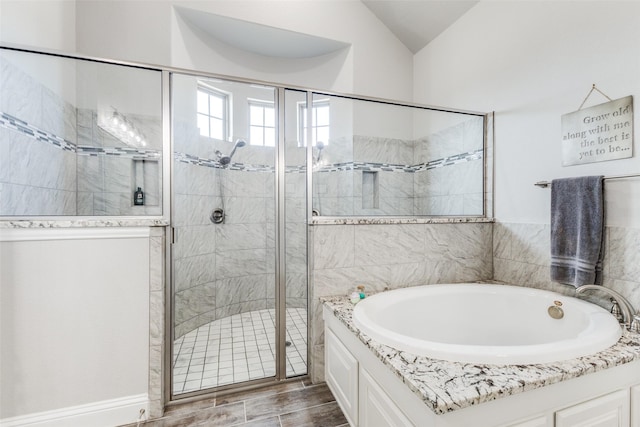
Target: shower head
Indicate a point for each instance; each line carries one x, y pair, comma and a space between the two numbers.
320, 147
225, 160
239, 144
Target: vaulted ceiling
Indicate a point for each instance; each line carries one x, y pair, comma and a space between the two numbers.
416, 22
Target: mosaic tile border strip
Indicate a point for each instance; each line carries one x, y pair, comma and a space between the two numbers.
451, 160
8, 121
128, 152
336, 167
211, 163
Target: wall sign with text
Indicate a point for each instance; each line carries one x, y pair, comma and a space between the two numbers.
599, 133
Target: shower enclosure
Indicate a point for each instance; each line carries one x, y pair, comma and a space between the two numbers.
239, 250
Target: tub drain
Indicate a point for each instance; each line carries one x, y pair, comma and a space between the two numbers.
555, 311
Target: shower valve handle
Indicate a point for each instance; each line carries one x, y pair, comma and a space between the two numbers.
217, 216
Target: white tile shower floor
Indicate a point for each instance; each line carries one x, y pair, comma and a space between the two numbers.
237, 348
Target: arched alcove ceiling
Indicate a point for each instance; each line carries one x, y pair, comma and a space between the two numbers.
258, 38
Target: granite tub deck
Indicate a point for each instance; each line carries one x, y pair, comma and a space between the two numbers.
448, 386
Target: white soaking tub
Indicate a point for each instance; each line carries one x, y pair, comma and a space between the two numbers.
486, 324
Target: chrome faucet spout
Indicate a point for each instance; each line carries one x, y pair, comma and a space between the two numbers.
628, 312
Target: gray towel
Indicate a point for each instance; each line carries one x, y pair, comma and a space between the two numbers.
577, 224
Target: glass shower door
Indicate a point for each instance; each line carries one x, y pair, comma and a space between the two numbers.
223, 214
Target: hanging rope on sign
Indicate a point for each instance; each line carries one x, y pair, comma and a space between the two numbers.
589, 94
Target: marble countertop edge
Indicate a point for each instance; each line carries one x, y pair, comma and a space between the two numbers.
448, 386
82, 223
356, 220
155, 222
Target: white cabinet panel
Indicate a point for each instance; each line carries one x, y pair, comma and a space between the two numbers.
376, 407
542, 421
635, 405
341, 371
611, 410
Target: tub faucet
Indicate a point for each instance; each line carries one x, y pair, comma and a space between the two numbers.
630, 319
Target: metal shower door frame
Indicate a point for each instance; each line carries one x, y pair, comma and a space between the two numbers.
280, 250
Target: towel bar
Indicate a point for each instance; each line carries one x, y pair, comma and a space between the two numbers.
545, 184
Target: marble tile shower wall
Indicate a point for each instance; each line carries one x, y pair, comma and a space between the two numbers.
339, 192
435, 175
451, 190
391, 256
229, 268
454, 189
521, 256
220, 269
23, 192
395, 188
109, 171
54, 160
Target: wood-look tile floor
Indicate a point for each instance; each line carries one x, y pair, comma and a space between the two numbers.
292, 404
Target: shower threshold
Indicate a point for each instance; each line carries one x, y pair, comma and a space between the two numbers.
237, 348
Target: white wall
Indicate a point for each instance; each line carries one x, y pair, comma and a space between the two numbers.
127, 30
48, 24
382, 120
377, 64
152, 32
74, 316
532, 62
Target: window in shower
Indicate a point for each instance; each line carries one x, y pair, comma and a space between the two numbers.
213, 112
319, 122
262, 123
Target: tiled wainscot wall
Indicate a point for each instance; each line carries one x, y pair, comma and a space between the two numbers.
389, 256
521, 256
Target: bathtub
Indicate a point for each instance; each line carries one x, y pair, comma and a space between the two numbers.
486, 324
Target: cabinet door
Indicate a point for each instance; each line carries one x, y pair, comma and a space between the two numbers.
341, 372
635, 405
542, 421
377, 409
611, 410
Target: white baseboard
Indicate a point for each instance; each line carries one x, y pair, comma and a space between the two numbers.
107, 413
